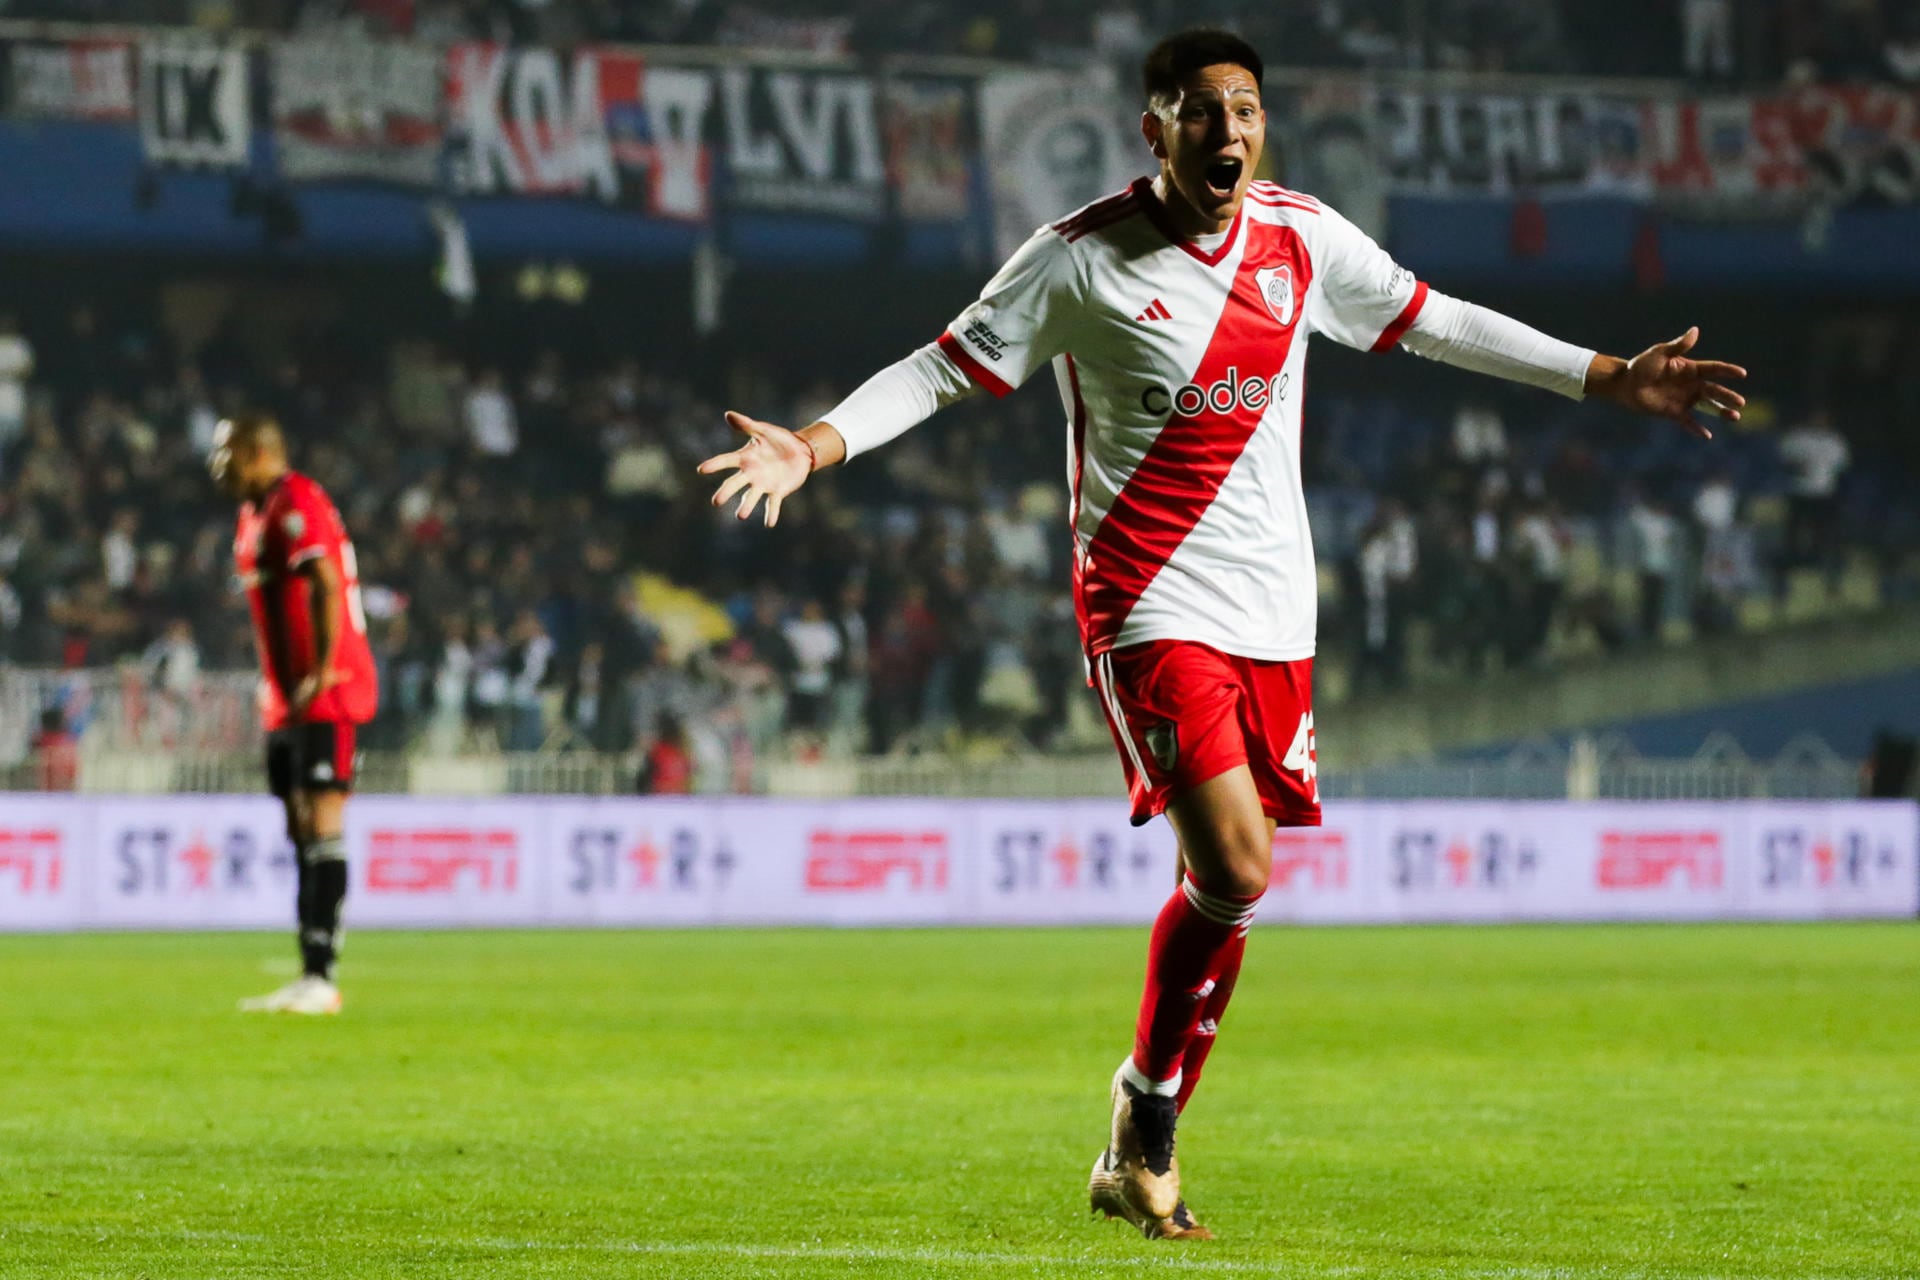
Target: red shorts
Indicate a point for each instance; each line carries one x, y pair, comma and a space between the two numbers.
1183, 712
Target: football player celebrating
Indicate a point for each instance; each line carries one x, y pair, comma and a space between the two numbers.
1175, 315
317, 683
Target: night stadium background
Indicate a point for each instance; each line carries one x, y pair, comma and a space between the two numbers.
736, 902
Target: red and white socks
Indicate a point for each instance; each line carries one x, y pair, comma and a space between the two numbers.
1193, 960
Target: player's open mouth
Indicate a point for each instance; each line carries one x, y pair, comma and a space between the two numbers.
1223, 176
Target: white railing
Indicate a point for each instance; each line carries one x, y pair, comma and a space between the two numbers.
121, 709
1806, 770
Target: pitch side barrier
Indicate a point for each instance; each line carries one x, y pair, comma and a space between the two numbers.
214, 862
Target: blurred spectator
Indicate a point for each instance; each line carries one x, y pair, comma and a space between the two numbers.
815, 644
1389, 558
56, 753
118, 554
1540, 541
668, 766
11, 615
1479, 435
1818, 456
1658, 541
16, 366
172, 662
1708, 26
850, 684
527, 663
591, 706
493, 426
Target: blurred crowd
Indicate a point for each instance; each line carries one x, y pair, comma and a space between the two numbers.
518, 533
1512, 537
542, 569
1750, 41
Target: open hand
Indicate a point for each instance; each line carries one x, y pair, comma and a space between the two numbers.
771, 464
1664, 382
311, 686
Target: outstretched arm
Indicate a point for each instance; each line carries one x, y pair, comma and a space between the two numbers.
1662, 380
774, 461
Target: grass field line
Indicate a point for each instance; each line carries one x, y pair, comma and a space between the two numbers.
980, 1259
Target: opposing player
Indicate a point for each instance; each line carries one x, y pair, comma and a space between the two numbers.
317, 678
1175, 315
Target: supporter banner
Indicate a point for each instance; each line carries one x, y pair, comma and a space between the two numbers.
1054, 142
1730, 155
928, 125
537, 121
1324, 137
357, 109
195, 103
602, 124
76, 80
801, 141
224, 862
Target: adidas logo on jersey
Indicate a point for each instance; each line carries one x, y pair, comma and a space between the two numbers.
1156, 310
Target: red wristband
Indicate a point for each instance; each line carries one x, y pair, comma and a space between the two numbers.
813, 455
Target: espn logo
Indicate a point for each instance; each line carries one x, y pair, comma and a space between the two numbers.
875, 861
1660, 859
443, 860
30, 860
1309, 860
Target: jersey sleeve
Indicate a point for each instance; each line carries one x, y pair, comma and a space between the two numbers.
304, 531
1365, 300
1021, 318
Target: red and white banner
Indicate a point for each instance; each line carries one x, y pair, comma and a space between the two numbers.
187, 862
76, 80
1744, 155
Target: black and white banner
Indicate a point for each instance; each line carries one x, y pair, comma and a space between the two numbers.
187, 862
195, 104
1055, 142
801, 141
356, 108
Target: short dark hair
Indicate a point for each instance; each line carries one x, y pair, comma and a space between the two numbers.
257, 428
1185, 52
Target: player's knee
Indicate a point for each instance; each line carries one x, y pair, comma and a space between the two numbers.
1241, 864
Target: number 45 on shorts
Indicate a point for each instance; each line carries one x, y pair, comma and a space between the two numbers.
1302, 757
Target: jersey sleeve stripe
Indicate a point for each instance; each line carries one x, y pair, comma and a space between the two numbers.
1098, 209
1087, 229
951, 348
299, 558
1262, 187
1082, 226
1285, 204
1391, 335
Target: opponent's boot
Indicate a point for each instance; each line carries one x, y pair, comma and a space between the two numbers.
309, 995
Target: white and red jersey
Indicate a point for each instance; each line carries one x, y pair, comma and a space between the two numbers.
1181, 368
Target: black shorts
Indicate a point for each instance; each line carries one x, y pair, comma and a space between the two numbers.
311, 757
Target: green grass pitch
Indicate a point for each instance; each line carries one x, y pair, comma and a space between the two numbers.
1536, 1103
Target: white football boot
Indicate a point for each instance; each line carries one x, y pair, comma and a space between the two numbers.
308, 995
